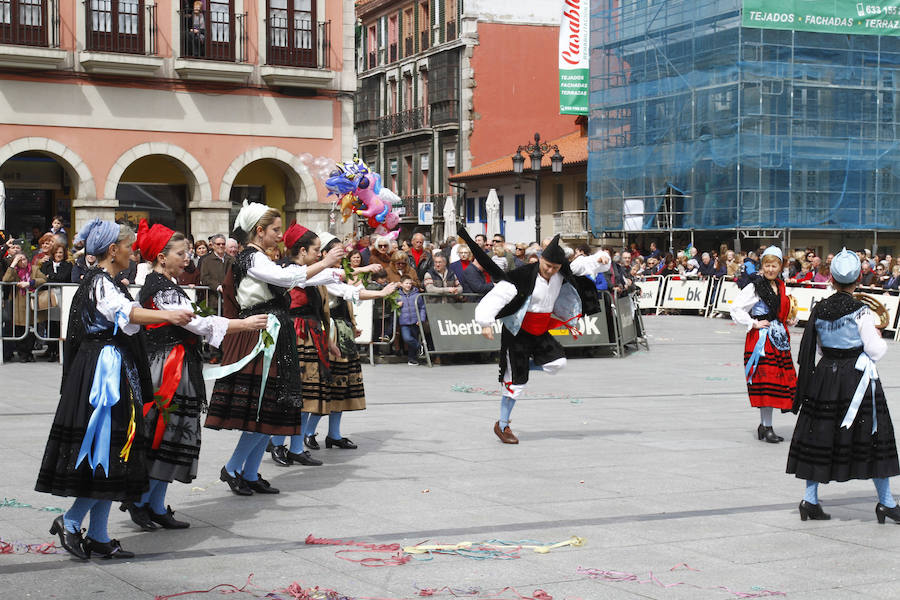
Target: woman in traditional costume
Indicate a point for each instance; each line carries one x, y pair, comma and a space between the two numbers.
318, 355
259, 389
762, 306
844, 429
176, 367
96, 449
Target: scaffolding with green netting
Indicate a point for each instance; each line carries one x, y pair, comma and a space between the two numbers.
698, 123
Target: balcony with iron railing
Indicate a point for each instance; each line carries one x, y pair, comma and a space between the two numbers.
298, 53
29, 34
120, 38
367, 129
571, 224
404, 121
409, 209
445, 112
213, 46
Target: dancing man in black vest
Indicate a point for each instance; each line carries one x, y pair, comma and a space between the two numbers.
530, 301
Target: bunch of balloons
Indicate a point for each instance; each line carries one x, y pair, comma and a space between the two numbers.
359, 191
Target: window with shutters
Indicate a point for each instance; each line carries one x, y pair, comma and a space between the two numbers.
424, 26
443, 87
392, 38
450, 20
115, 25
292, 33
23, 22
408, 32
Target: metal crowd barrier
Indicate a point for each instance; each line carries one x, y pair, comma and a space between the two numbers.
56, 309
714, 295
454, 330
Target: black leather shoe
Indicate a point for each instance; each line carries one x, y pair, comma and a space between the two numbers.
167, 519
882, 511
812, 511
280, 456
261, 486
140, 515
311, 442
72, 542
766, 433
304, 458
236, 483
777, 437
341, 443
110, 549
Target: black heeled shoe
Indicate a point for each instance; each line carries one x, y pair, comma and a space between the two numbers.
72, 542
261, 486
167, 519
280, 456
882, 512
236, 483
311, 443
140, 516
110, 549
304, 458
341, 443
766, 433
812, 511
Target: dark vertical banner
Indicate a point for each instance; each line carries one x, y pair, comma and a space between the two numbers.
574, 57
824, 16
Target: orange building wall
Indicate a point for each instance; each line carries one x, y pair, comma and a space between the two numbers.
517, 89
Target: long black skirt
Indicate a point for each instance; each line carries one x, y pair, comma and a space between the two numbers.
235, 399
178, 454
126, 480
821, 450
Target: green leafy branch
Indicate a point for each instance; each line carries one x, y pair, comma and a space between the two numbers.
201, 309
391, 299
166, 411
267, 338
349, 274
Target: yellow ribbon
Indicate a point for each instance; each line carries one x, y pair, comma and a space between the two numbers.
129, 436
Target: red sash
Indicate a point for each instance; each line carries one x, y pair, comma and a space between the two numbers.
171, 377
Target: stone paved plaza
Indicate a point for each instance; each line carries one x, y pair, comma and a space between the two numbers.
652, 459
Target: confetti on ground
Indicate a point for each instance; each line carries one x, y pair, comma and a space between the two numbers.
717, 378
401, 555
623, 577
26, 548
297, 591
13, 503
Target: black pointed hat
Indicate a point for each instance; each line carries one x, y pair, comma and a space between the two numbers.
554, 252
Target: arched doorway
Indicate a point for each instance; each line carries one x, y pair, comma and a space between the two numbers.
269, 181
38, 187
155, 187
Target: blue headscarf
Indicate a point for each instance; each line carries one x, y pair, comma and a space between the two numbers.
98, 235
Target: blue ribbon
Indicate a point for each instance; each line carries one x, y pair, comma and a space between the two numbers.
758, 351
104, 395
273, 326
868, 379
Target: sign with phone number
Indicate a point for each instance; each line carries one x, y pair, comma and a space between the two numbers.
824, 16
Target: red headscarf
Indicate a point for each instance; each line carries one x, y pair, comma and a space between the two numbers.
293, 234
151, 240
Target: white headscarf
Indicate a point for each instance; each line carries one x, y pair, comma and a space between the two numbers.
251, 213
326, 237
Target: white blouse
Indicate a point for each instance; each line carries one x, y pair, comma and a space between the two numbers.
114, 305
253, 289
745, 300
212, 329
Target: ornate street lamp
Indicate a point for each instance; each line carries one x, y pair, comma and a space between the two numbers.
536, 152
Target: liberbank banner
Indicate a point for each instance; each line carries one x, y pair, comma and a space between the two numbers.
453, 329
574, 55
825, 16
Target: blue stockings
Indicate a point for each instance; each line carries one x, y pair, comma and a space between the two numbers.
248, 455
155, 497
506, 406
882, 488
278, 440
334, 425
99, 510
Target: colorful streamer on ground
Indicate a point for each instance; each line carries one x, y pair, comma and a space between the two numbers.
26, 548
401, 555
